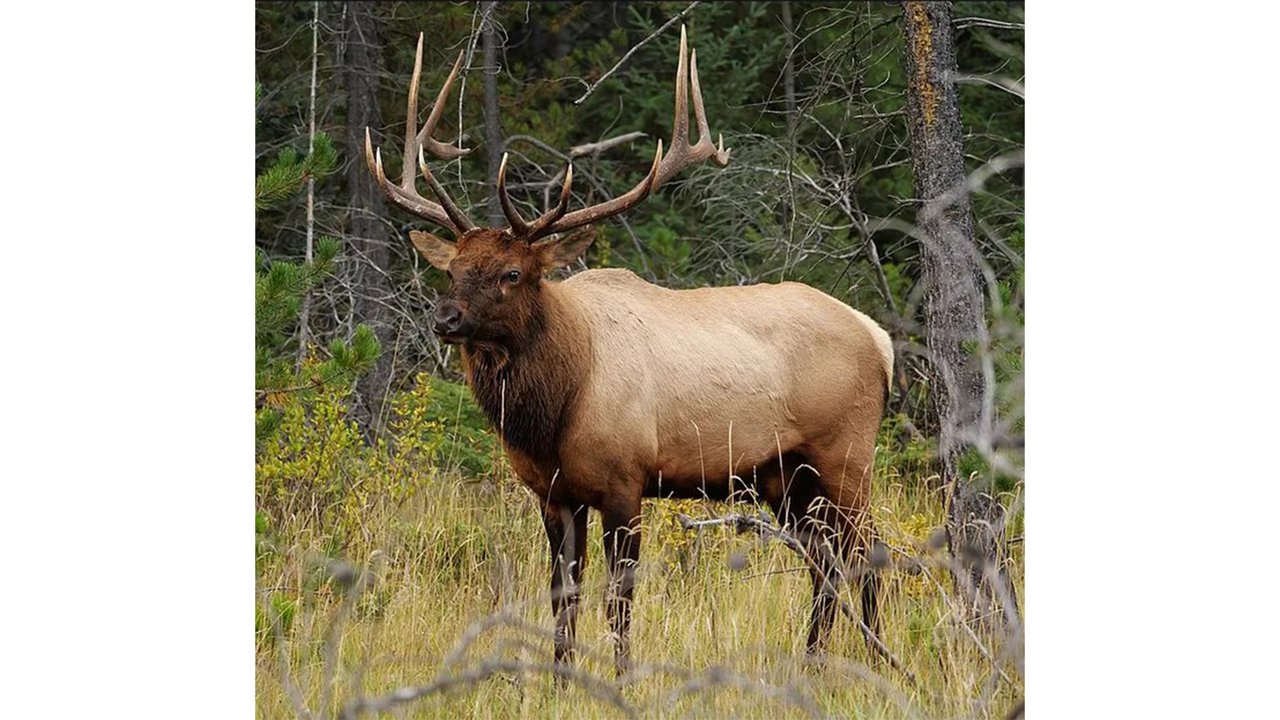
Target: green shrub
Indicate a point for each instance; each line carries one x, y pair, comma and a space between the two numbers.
317, 470
903, 452
276, 617
469, 443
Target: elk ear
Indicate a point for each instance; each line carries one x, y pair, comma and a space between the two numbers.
558, 252
437, 252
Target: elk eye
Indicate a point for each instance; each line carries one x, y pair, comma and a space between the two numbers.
513, 277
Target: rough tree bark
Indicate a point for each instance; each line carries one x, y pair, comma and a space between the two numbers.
367, 240
954, 304
789, 68
492, 122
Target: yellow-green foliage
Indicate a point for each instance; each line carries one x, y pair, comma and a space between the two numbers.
318, 471
445, 552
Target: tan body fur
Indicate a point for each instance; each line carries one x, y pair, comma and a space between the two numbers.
688, 387
629, 390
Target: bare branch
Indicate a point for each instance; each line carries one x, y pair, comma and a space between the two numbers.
964, 22
595, 148
654, 34
596, 687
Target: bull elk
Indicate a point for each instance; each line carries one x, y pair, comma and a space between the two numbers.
606, 389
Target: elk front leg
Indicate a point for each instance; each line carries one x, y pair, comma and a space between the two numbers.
567, 536
622, 553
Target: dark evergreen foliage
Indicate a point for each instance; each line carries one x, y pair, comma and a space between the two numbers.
279, 289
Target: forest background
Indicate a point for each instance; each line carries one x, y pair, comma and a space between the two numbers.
834, 182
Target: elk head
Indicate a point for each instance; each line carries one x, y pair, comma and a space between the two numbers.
496, 274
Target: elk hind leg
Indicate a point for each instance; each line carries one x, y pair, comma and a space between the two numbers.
621, 525
845, 483
794, 494
818, 528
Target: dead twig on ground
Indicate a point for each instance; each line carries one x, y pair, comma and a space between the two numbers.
596, 687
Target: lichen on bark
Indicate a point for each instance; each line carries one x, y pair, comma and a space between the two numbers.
921, 51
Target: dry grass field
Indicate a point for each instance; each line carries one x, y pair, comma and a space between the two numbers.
437, 585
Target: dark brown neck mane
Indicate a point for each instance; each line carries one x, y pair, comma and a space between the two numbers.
526, 385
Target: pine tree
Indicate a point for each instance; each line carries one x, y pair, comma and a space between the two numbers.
279, 289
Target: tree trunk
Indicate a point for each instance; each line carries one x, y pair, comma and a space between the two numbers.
304, 317
789, 69
954, 304
367, 238
492, 122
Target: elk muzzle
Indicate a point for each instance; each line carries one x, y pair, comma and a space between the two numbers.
448, 320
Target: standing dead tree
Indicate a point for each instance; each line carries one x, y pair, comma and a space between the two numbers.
789, 68
492, 118
954, 305
309, 250
366, 236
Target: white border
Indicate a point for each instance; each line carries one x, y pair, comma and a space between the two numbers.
1151, 397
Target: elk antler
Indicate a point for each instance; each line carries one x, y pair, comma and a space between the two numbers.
406, 196
681, 155
537, 227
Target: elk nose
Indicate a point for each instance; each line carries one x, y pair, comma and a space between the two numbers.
448, 318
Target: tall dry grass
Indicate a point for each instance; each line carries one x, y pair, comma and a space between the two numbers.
444, 592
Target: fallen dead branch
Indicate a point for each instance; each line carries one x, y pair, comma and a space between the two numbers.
596, 687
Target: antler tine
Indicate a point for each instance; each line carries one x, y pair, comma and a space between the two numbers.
409, 201
411, 120
406, 196
720, 156
680, 128
608, 209
682, 153
437, 148
541, 225
514, 218
530, 231
455, 214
